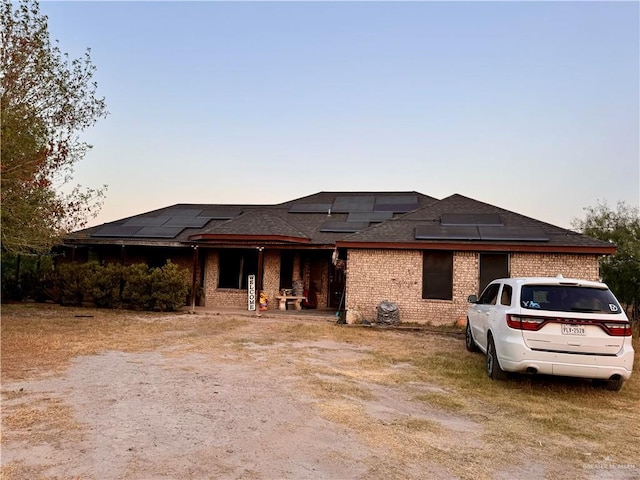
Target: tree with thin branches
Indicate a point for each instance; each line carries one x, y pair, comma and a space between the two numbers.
47, 100
620, 226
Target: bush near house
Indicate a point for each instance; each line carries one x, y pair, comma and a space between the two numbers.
72, 280
136, 286
106, 286
136, 291
168, 287
161, 289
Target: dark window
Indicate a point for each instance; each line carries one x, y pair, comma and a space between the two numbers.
157, 257
437, 275
235, 266
490, 294
94, 256
286, 269
156, 261
492, 266
507, 294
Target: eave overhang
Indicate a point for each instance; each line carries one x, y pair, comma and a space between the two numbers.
474, 247
129, 242
226, 237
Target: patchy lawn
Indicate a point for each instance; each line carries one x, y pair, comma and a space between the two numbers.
95, 394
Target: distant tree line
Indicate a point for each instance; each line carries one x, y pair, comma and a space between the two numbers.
621, 272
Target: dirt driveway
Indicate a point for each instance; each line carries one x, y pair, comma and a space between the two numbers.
208, 396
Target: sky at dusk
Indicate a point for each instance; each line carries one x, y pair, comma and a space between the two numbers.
529, 106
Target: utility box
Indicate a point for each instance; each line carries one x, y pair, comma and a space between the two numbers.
388, 313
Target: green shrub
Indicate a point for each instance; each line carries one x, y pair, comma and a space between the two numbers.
136, 293
110, 286
73, 282
168, 287
106, 286
35, 285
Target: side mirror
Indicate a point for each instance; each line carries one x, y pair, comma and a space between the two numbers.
472, 299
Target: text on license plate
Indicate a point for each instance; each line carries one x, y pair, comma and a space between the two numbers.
573, 329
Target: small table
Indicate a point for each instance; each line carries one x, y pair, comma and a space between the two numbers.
296, 301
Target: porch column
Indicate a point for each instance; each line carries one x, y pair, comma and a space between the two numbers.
296, 267
259, 279
194, 279
260, 271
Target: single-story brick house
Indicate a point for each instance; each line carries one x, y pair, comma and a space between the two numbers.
355, 249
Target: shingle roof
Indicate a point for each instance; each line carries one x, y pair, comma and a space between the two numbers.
346, 219
254, 223
300, 219
402, 230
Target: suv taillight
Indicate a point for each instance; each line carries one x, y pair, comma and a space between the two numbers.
617, 329
525, 323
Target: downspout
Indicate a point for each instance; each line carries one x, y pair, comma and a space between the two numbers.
259, 275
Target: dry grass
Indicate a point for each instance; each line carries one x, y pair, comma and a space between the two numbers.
37, 338
45, 420
565, 420
332, 388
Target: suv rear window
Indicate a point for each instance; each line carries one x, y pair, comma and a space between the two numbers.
564, 298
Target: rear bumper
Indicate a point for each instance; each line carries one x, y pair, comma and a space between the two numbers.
515, 357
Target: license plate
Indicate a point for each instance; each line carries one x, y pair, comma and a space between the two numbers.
573, 329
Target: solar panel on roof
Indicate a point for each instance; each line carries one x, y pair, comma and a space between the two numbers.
158, 232
182, 212
469, 219
219, 214
439, 232
375, 217
343, 227
116, 231
396, 199
484, 233
395, 207
187, 222
396, 203
520, 234
310, 208
146, 221
346, 204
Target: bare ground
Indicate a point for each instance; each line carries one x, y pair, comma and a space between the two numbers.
269, 398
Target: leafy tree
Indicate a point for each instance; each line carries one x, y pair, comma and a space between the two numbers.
621, 227
47, 99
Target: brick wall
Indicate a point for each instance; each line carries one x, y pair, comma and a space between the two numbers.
231, 297
271, 276
396, 275
550, 265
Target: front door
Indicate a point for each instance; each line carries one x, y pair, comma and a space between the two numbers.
337, 284
492, 266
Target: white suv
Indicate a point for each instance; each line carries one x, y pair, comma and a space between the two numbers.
552, 326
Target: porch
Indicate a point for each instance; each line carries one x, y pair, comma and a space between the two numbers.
320, 314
